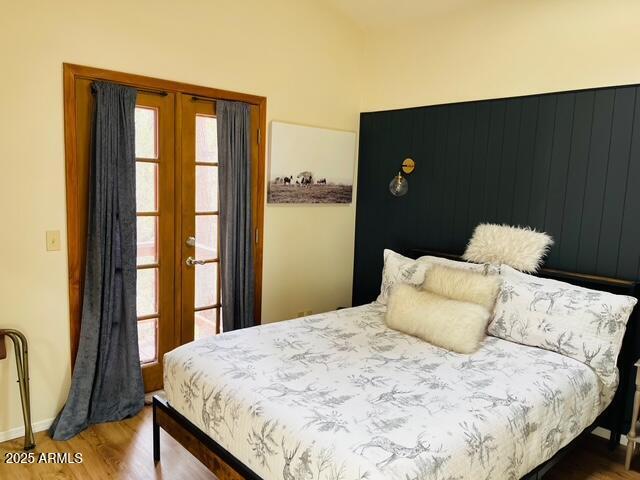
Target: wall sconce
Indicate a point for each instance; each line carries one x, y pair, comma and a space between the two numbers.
399, 185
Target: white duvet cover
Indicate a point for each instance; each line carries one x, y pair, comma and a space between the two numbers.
339, 396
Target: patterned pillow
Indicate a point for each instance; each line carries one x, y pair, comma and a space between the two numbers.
584, 324
398, 268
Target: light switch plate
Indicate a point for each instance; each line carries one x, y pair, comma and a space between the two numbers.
53, 240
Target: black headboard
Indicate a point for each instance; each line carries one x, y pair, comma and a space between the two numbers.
616, 417
566, 163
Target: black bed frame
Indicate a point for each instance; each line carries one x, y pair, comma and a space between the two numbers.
615, 418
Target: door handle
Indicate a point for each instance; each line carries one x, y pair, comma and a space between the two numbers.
190, 261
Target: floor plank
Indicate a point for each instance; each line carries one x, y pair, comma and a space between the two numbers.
123, 450
592, 460
119, 450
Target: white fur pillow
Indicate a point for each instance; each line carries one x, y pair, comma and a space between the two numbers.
450, 324
518, 247
463, 285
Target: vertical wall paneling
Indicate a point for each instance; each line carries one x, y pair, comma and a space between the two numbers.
463, 182
494, 158
592, 205
524, 161
630, 232
567, 163
569, 239
478, 165
451, 175
508, 159
616, 181
558, 169
542, 161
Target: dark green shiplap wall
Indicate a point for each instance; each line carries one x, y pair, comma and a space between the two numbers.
567, 163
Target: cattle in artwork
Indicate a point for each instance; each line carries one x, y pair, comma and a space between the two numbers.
305, 178
304, 187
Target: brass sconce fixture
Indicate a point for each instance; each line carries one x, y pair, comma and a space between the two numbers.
399, 185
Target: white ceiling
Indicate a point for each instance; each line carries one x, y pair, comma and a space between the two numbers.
375, 14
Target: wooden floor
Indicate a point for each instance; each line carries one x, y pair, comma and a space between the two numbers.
122, 450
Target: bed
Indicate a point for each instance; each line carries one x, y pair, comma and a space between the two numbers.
341, 396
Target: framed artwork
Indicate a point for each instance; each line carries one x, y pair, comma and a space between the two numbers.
310, 165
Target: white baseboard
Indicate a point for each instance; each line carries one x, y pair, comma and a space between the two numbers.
604, 433
19, 431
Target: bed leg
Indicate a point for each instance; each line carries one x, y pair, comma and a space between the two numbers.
156, 436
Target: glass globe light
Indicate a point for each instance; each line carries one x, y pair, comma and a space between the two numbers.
399, 186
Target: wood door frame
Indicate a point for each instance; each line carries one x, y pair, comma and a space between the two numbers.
71, 73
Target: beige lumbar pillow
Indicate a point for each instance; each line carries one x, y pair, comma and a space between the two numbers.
463, 285
451, 324
521, 248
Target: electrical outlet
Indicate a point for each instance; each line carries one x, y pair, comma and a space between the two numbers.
53, 240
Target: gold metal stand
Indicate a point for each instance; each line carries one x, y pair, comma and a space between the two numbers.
20, 347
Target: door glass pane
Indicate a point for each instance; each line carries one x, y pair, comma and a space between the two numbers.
206, 188
146, 120
146, 187
147, 238
147, 294
205, 323
206, 288
147, 340
206, 237
206, 139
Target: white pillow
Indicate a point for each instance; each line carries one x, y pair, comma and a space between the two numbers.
463, 285
521, 248
584, 324
446, 323
400, 269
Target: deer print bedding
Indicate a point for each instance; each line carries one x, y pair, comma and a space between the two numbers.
577, 322
339, 396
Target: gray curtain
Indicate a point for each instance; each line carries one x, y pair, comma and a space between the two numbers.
236, 235
107, 379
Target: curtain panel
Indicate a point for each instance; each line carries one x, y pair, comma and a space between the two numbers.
107, 378
236, 230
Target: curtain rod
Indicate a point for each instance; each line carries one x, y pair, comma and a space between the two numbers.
162, 93
204, 99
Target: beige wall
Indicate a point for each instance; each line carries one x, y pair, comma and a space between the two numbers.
491, 49
299, 54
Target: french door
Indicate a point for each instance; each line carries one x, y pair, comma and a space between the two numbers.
155, 210
178, 296
177, 208
200, 268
